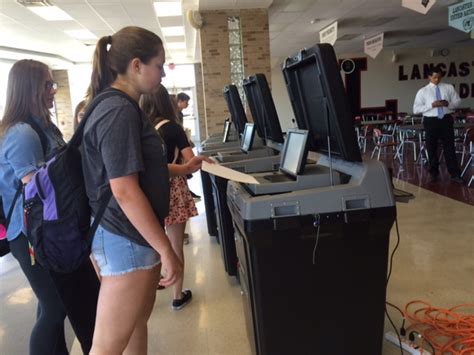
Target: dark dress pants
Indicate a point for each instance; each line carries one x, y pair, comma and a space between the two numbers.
436, 130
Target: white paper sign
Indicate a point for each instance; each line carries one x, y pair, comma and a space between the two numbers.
421, 6
373, 45
461, 16
328, 34
229, 174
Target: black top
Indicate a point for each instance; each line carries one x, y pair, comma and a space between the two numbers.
174, 137
118, 141
180, 117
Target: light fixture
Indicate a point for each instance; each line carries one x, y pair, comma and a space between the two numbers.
81, 34
168, 8
50, 13
176, 45
173, 31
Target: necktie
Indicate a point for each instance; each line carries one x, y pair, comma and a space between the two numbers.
440, 109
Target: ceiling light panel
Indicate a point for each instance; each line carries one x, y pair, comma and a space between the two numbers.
170, 21
168, 8
51, 13
173, 31
170, 39
81, 34
176, 45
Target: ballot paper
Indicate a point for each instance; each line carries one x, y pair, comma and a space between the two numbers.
226, 173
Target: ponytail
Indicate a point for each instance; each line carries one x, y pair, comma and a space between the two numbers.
102, 75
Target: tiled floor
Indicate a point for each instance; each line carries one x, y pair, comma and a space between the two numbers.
434, 263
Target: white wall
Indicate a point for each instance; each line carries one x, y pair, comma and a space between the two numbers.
381, 80
79, 80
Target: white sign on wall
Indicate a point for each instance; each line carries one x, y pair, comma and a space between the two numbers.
373, 45
421, 6
461, 16
328, 34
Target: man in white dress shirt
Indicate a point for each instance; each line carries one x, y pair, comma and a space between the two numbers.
436, 101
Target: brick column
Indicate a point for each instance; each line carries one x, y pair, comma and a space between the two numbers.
215, 57
64, 109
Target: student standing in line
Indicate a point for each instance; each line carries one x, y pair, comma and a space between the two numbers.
182, 102
23, 149
161, 111
123, 152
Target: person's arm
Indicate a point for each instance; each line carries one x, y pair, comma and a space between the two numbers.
190, 167
420, 106
178, 138
23, 151
454, 100
139, 212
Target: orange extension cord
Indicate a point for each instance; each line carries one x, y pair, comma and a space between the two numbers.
448, 331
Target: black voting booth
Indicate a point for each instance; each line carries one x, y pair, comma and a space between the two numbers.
313, 262
268, 128
239, 119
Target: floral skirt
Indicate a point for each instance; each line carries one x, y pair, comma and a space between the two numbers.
182, 206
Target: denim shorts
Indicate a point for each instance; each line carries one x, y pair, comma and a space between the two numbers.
116, 255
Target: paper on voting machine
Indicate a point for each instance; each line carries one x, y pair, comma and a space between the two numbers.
226, 173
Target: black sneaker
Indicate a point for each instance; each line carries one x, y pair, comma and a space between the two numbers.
197, 197
178, 304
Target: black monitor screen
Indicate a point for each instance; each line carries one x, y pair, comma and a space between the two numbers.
262, 107
247, 138
320, 102
225, 137
293, 158
236, 109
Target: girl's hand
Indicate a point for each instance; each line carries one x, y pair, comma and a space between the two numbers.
195, 163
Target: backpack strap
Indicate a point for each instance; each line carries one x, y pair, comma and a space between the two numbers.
176, 150
10, 211
76, 139
39, 131
103, 205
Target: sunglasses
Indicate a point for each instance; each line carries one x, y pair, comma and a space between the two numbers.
51, 85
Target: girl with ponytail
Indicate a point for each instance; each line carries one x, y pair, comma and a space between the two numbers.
122, 152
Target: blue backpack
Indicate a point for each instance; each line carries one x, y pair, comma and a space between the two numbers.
57, 212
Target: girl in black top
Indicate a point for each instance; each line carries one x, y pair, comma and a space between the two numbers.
160, 109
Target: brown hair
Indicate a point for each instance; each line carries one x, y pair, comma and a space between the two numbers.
80, 107
158, 106
128, 43
25, 93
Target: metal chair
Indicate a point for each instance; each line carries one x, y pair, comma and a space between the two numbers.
379, 144
470, 161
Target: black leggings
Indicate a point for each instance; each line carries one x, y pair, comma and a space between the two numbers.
73, 294
47, 336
